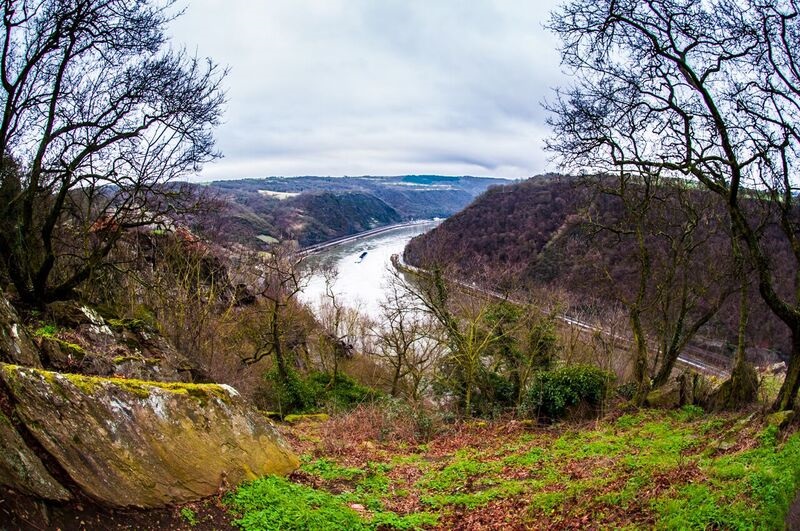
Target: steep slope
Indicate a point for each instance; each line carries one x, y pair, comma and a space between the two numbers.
536, 234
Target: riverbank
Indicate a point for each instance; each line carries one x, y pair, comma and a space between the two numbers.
361, 261
313, 249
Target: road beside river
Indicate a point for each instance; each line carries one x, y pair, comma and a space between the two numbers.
362, 280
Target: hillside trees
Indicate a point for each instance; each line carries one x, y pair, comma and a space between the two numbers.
488, 350
406, 340
98, 116
702, 90
680, 273
275, 330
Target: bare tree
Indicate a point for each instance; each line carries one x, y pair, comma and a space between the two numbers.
683, 275
340, 326
465, 330
99, 115
701, 90
282, 278
407, 340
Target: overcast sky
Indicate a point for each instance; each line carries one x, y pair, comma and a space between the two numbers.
378, 87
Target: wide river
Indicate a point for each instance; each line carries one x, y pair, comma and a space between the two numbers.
361, 281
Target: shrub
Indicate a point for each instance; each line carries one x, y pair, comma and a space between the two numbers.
298, 394
552, 392
290, 395
342, 393
386, 419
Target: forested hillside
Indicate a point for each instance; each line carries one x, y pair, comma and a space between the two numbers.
312, 210
559, 233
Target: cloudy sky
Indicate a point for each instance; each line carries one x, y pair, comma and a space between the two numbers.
378, 87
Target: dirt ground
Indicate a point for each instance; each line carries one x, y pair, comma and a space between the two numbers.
18, 512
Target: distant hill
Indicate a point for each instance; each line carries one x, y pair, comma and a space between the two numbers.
534, 234
312, 209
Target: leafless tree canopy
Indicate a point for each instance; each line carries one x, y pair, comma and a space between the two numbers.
702, 90
98, 115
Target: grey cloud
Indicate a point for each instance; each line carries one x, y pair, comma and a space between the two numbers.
378, 87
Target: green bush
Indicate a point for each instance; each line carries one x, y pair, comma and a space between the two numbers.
343, 393
552, 392
298, 394
290, 395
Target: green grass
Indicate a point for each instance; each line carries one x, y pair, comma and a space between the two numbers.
675, 470
329, 470
277, 503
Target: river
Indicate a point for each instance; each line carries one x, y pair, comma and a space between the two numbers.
361, 280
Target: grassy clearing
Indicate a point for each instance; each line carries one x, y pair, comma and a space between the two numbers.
670, 470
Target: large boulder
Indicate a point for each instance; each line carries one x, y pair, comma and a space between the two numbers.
15, 343
145, 444
22, 469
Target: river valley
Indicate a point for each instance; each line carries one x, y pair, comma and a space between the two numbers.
361, 277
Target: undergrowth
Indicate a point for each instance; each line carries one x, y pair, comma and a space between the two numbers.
670, 470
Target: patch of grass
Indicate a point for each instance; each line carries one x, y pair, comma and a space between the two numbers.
471, 500
688, 413
547, 502
528, 459
276, 503
190, 516
697, 507
746, 490
464, 468
683, 469
329, 470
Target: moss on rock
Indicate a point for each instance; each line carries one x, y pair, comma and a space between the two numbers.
22, 470
146, 444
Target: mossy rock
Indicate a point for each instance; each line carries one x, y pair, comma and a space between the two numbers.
22, 470
16, 345
666, 397
310, 417
781, 419
146, 444
133, 325
61, 354
66, 313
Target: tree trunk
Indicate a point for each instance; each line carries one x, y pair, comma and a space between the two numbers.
280, 362
468, 401
744, 380
741, 388
395, 379
668, 363
788, 393
641, 373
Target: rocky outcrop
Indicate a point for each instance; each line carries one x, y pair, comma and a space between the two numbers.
15, 343
689, 388
83, 341
22, 469
145, 444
